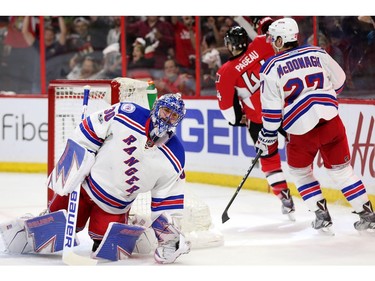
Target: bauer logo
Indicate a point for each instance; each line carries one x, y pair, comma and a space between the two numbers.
71, 220
128, 107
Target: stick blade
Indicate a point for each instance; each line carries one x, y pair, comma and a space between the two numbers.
71, 258
224, 217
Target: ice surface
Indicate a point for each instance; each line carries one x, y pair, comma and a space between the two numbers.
259, 241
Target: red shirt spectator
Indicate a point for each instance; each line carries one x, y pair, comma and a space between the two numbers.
184, 41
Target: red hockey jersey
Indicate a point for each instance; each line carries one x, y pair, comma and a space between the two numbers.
239, 77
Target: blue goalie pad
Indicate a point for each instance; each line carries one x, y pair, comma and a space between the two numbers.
119, 241
47, 232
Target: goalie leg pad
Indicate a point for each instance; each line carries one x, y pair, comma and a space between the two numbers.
119, 241
15, 238
47, 232
71, 169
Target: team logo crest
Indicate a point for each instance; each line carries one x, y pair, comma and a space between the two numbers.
128, 107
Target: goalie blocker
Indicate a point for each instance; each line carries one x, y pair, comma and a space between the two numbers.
71, 169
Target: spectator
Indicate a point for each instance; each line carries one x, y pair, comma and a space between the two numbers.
184, 43
85, 70
21, 73
55, 47
98, 30
138, 58
173, 81
140, 63
114, 33
361, 54
79, 40
210, 62
325, 43
112, 67
154, 31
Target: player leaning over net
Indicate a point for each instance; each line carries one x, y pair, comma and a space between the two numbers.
123, 151
299, 88
237, 85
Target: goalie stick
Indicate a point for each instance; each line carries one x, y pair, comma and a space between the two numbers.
68, 255
225, 216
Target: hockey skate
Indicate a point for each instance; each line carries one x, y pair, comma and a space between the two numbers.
323, 221
366, 219
287, 207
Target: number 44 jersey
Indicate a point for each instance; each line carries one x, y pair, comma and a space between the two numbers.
237, 82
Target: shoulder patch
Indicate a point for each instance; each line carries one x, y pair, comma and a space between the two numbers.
128, 107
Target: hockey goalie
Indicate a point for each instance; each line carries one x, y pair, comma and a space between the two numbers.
114, 155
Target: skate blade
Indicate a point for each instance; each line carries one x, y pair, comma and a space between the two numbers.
327, 231
367, 232
291, 216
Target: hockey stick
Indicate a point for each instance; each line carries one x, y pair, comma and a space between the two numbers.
225, 216
68, 255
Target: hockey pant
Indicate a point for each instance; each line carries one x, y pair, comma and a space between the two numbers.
99, 219
328, 138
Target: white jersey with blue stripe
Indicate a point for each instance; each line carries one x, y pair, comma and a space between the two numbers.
125, 166
298, 88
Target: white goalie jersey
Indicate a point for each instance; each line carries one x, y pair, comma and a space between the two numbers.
125, 166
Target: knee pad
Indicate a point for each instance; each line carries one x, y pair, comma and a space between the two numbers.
302, 176
343, 176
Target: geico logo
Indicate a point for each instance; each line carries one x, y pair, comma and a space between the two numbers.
209, 132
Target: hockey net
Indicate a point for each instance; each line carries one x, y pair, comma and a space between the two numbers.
64, 114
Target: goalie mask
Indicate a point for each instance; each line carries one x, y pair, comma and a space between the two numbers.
166, 114
237, 37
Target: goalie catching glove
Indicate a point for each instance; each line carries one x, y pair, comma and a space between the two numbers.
171, 242
267, 142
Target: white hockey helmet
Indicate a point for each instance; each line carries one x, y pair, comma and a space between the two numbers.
286, 28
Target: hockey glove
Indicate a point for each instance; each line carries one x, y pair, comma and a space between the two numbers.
267, 142
171, 242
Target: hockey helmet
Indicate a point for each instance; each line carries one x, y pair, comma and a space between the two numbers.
166, 113
263, 25
286, 28
237, 37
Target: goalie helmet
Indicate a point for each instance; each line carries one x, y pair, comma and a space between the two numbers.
167, 112
286, 28
237, 37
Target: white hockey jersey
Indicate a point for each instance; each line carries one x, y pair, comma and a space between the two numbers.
125, 167
298, 88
